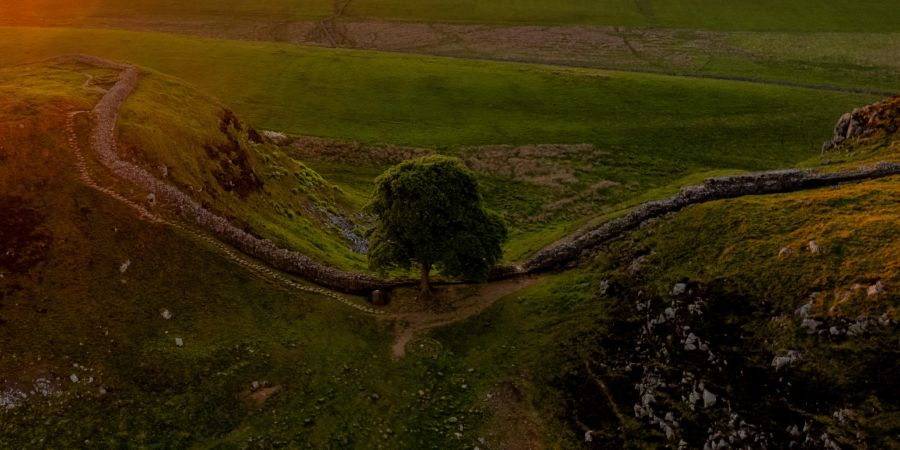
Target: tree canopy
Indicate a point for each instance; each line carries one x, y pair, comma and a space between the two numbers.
430, 214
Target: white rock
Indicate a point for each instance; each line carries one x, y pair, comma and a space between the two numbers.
589, 436
166, 314
679, 288
604, 286
860, 327
803, 311
811, 325
179, 342
670, 313
709, 399
693, 397
11, 398
875, 289
670, 433
813, 247
780, 361
785, 251
74, 378
690, 343
125, 265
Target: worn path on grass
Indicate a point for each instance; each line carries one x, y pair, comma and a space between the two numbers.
459, 305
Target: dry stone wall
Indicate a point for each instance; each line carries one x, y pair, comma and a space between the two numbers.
553, 257
103, 141
565, 252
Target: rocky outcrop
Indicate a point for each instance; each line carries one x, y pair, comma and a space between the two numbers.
862, 123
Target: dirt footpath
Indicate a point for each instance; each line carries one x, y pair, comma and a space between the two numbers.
448, 305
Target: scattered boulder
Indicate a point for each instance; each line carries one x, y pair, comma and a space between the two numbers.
166, 314
604, 286
785, 251
813, 247
811, 325
179, 342
670, 313
875, 289
690, 343
11, 398
859, 328
803, 311
679, 288
125, 265
709, 399
792, 357
636, 265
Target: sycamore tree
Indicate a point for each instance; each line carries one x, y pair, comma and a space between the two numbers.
430, 215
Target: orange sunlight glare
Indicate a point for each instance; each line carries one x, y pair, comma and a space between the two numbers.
45, 12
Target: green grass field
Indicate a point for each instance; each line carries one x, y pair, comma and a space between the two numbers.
532, 370
795, 15
86, 316
438, 102
800, 15
650, 130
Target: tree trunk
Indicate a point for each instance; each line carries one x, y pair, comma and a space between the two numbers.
425, 286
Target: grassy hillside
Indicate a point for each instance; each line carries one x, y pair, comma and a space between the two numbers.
798, 15
84, 285
423, 101
647, 131
69, 12
85, 331
196, 144
786, 338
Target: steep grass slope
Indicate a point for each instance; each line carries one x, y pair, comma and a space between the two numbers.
197, 145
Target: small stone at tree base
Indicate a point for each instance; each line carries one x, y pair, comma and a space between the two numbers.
379, 298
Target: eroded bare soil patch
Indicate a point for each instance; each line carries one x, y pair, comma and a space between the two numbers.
448, 304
